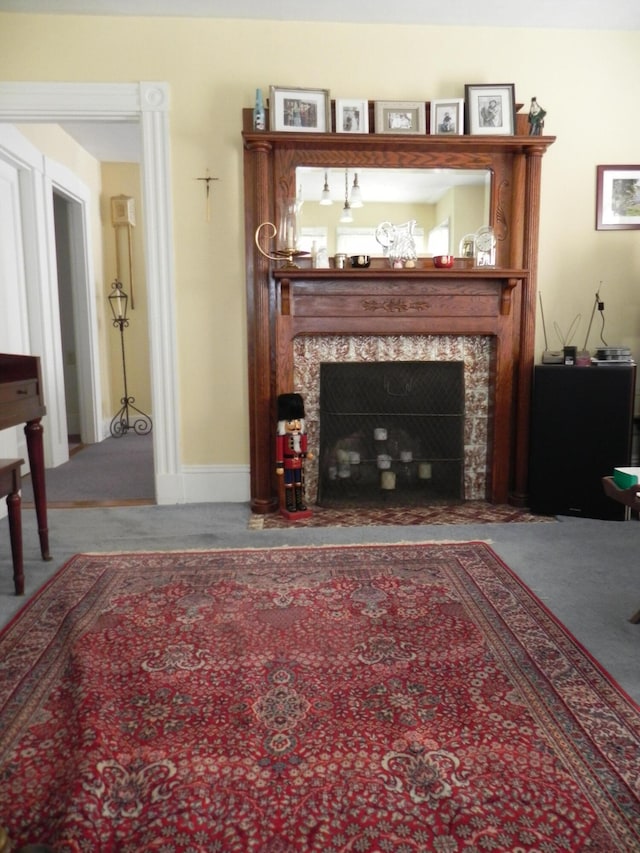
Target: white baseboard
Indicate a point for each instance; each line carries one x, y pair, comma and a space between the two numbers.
205, 484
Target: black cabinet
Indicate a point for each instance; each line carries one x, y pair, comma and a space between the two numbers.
581, 429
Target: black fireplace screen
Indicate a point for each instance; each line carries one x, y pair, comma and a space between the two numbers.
391, 432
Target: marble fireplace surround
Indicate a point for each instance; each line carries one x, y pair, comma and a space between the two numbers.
311, 351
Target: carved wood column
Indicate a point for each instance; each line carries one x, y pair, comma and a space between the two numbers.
260, 311
527, 323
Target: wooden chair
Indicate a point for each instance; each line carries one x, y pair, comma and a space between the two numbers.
10, 487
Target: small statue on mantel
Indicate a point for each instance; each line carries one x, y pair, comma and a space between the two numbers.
536, 118
291, 452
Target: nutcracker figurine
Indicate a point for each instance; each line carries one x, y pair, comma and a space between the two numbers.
291, 451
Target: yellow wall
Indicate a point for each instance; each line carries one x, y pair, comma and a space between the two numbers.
585, 80
124, 179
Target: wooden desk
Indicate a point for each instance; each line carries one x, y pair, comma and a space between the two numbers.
22, 401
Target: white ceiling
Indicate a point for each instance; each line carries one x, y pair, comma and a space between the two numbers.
107, 141
574, 14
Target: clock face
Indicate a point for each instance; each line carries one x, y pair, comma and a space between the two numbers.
485, 240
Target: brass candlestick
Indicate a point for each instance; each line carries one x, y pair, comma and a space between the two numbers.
287, 254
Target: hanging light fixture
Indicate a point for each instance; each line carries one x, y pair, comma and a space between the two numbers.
346, 216
325, 197
355, 200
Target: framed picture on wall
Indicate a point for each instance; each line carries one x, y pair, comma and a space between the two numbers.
617, 198
447, 117
490, 108
352, 116
299, 110
400, 117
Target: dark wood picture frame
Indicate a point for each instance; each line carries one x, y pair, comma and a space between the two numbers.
617, 198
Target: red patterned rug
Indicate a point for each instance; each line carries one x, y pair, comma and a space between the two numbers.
468, 512
378, 698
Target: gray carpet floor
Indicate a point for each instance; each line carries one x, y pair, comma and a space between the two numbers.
114, 469
585, 571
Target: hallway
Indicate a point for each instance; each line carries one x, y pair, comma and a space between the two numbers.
114, 472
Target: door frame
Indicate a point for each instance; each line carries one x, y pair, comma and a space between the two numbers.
147, 103
81, 285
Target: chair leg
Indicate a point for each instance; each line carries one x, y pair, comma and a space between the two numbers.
14, 504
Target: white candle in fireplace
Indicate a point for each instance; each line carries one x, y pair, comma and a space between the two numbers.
424, 470
380, 434
388, 480
406, 456
384, 461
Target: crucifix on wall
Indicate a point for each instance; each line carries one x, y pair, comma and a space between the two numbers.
207, 182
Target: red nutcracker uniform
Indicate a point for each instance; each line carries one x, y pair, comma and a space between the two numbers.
291, 451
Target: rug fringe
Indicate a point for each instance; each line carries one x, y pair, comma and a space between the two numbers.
286, 545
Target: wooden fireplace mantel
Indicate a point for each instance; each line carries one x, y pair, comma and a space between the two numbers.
500, 302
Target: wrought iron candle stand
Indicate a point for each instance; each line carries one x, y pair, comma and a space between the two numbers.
124, 420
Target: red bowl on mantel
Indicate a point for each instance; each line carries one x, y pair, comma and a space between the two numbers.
443, 262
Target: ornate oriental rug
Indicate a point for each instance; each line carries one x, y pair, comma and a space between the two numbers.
358, 698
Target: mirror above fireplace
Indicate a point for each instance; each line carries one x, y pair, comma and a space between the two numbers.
446, 204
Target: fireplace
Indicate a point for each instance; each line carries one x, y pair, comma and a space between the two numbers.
391, 432
475, 356
289, 306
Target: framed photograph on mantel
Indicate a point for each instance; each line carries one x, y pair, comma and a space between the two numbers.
400, 116
352, 116
617, 198
299, 110
491, 109
447, 117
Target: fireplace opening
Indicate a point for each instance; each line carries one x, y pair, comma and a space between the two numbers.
391, 432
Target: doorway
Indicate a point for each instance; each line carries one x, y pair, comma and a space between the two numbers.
148, 104
64, 240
